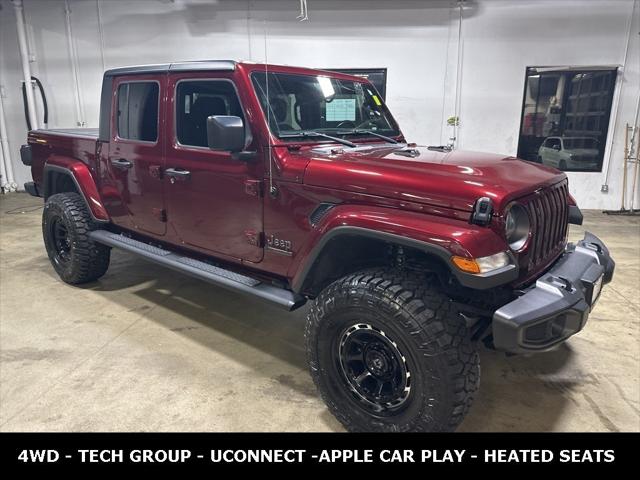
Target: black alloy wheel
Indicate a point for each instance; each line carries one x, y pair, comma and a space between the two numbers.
61, 242
374, 368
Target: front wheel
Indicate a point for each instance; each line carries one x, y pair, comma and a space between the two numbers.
388, 352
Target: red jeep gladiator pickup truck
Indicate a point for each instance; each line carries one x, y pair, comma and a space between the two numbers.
292, 184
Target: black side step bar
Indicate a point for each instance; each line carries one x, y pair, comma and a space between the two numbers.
204, 271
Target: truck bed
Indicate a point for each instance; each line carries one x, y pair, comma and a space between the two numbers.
77, 143
73, 132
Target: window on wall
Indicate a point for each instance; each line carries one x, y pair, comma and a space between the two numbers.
565, 117
198, 100
138, 111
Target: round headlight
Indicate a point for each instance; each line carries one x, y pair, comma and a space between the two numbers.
516, 227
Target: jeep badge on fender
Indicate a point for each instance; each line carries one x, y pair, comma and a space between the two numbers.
279, 245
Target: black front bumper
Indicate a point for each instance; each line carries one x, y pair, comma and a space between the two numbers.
559, 303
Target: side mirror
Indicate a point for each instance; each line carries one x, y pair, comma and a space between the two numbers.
556, 147
225, 133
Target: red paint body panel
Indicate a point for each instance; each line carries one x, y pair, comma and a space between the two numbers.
141, 193
85, 180
75, 154
444, 180
212, 209
458, 237
426, 196
46, 144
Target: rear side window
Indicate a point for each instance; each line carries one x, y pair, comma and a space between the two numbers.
198, 100
138, 111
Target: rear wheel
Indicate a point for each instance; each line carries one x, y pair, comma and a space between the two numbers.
66, 224
388, 352
562, 165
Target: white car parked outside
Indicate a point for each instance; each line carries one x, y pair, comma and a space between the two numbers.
569, 153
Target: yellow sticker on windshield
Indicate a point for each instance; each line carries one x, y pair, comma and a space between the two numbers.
376, 99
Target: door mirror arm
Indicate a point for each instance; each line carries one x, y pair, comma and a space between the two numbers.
244, 155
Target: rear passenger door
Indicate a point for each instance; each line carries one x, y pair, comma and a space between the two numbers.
213, 200
136, 151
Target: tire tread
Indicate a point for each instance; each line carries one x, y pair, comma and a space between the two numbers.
90, 260
431, 323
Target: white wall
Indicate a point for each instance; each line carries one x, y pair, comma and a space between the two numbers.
416, 40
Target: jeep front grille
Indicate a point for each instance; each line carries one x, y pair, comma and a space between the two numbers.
549, 215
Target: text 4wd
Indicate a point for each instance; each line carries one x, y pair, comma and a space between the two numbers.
291, 184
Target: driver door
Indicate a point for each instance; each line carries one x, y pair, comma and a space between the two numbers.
214, 201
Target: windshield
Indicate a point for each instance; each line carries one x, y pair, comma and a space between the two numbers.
306, 103
575, 143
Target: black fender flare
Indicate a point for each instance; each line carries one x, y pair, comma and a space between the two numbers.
483, 281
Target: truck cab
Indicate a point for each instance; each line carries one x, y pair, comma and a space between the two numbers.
295, 185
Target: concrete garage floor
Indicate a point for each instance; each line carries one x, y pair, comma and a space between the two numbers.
146, 349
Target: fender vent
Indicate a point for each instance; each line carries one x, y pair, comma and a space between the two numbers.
319, 212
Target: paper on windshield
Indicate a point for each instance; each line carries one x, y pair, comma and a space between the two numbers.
341, 109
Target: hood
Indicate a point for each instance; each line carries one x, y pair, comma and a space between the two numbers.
453, 179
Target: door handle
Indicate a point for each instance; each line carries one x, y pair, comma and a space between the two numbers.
122, 163
177, 174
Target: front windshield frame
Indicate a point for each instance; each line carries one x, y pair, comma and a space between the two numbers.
349, 131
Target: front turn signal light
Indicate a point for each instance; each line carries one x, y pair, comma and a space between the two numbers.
468, 265
482, 264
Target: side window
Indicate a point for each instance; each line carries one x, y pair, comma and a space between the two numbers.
138, 111
196, 100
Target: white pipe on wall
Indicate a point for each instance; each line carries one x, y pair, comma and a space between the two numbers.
3, 173
613, 122
101, 33
634, 154
8, 179
26, 68
74, 65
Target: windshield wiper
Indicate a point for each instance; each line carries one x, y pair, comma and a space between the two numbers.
318, 134
357, 131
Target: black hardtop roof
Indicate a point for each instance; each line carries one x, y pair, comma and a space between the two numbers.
192, 66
